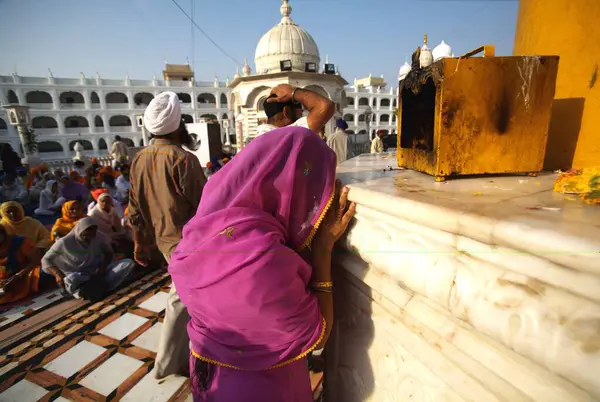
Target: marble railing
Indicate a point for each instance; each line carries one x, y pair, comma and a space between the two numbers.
66, 165
468, 290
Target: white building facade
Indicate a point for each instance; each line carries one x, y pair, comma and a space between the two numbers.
94, 110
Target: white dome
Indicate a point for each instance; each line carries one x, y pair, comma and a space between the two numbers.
404, 70
441, 51
285, 41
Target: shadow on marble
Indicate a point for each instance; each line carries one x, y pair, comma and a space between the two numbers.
349, 374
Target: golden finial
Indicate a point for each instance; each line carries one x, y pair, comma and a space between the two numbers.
425, 38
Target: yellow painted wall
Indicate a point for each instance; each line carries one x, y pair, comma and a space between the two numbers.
571, 30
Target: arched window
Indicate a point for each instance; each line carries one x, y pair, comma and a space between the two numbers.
184, 98
102, 144
44, 122
128, 141
349, 131
361, 117
94, 97
395, 102
350, 101
76, 121
224, 117
87, 146
141, 142
71, 97
187, 119
348, 117
362, 132
363, 102
209, 117
38, 97
142, 98
98, 122
385, 102
12, 97
116, 97
49, 146
374, 102
207, 98
393, 118
119, 121
223, 100
385, 118
3, 125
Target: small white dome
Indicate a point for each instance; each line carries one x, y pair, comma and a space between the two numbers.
285, 41
246, 69
404, 70
441, 51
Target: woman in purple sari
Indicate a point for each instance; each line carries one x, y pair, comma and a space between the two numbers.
257, 307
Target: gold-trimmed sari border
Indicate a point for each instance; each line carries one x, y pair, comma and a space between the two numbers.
284, 363
313, 232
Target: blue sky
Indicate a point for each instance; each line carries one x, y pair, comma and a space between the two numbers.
135, 37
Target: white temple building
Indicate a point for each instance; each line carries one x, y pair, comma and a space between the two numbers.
94, 110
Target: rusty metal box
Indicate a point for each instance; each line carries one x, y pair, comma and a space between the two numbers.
483, 115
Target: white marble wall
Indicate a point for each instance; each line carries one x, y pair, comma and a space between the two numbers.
426, 314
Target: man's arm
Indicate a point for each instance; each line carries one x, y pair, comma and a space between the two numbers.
191, 179
143, 232
320, 109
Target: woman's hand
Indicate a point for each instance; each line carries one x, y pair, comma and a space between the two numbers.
337, 221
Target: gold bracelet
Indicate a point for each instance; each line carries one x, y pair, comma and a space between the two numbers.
321, 285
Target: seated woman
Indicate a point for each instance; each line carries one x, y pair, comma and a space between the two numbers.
73, 191
83, 263
51, 200
16, 223
96, 193
72, 212
12, 190
37, 185
107, 219
256, 318
20, 273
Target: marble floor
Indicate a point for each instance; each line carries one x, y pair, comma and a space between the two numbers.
94, 352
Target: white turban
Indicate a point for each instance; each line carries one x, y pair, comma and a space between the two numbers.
163, 114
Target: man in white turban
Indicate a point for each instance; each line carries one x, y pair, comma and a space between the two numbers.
166, 184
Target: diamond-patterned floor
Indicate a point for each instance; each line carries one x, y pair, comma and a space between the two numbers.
99, 352
95, 352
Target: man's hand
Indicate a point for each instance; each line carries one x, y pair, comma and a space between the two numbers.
142, 255
283, 93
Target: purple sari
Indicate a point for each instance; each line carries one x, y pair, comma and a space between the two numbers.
239, 275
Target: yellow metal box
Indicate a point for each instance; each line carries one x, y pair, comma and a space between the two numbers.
469, 116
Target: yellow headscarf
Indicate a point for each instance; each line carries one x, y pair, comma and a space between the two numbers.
27, 227
65, 224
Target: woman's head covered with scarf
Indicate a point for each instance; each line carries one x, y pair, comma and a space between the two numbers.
237, 266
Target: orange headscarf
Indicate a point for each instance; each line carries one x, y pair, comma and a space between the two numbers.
98, 192
76, 177
65, 224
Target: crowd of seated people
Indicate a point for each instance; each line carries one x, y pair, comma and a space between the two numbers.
85, 255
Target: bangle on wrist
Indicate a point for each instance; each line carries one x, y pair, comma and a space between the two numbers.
321, 285
322, 290
294, 94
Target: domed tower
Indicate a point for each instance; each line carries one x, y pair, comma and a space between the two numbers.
285, 41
